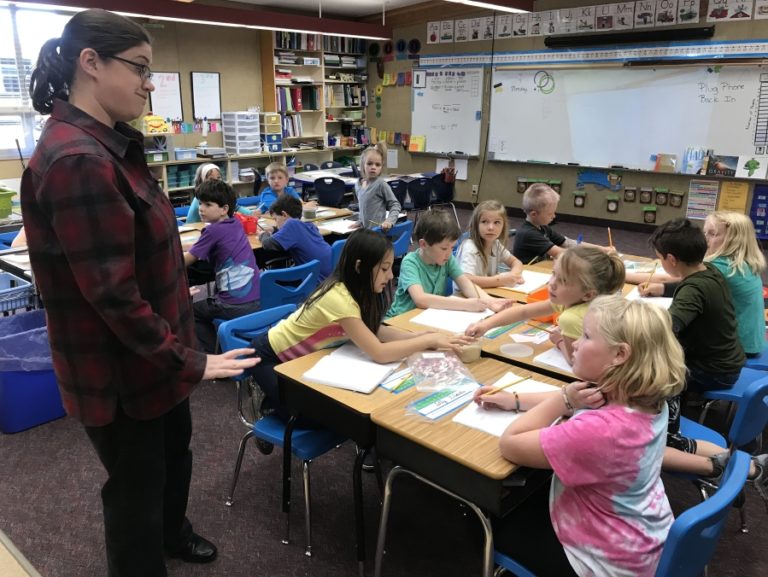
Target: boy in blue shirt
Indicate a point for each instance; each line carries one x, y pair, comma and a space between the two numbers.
224, 245
424, 273
301, 240
277, 177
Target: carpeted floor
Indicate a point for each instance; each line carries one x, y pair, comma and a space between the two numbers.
50, 506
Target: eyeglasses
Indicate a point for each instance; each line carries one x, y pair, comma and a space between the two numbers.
142, 69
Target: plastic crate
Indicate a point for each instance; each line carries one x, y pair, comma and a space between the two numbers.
185, 153
15, 292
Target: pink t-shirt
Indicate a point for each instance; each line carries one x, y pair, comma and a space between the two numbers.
607, 500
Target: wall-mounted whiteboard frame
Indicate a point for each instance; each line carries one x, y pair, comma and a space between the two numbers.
165, 100
448, 110
206, 95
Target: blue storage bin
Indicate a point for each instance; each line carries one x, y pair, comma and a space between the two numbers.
29, 394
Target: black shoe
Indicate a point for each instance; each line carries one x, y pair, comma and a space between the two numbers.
369, 463
264, 447
197, 549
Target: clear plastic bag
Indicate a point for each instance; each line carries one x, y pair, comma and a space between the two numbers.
439, 370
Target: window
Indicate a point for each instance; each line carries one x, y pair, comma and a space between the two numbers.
22, 32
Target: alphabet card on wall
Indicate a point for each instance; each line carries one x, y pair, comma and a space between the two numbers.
666, 12
585, 21
603, 17
433, 32
520, 24
566, 20
688, 11
503, 26
645, 11
761, 10
462, 30
623, 15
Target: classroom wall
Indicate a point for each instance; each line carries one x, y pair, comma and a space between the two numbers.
499, 179
183, 48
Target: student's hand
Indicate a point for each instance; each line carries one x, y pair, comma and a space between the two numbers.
477, 329
584, 395
555, 336
257, 213
502, 400
654, 289
497, 305
311, 205
511, 279
608, 249
356, 224
386, 225
228, 365
453, 342
194, 290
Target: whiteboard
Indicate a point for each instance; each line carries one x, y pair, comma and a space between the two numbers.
622, 116
448, 110
206, 95
165, 100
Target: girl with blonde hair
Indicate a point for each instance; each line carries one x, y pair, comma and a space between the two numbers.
606, 512
377, 202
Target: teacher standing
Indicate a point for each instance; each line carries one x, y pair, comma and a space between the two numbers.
106, 255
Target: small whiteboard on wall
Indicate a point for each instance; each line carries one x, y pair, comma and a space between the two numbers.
165, 101
206, 95
448, 110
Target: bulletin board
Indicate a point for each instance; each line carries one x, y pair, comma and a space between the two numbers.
448, 109
206, 95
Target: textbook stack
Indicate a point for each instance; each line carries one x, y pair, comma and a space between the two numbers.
241, 132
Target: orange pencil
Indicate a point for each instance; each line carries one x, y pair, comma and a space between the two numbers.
610, 238
650, 276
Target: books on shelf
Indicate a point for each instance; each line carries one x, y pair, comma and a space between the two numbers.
297, 98
340, 95
297, 41
343, 44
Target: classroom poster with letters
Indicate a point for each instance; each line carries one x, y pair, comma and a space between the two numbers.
604, 17
520, 24
733, 196
475, 25
645, 13
585, 19
761, 10
462, 30
487, 31
446, 31
433, 32
702, 198
624, 15
666, 12
687, 11
503, 26
566, 21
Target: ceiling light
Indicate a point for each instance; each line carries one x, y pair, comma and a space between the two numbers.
499, 5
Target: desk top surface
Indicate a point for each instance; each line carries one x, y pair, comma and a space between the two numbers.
470, 447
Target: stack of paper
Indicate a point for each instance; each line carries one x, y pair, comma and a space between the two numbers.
533, 281
450, 321
339, 226
663, 302
554, 358
496, 421
349, 368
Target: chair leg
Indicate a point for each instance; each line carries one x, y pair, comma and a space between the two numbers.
307, 511
238, 464
741, 504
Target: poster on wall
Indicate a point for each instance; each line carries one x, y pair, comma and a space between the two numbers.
488, 28
520, 24
624, 14
702, 198
446, 31
604, 17
206, 95
761, 9
433, 32
666, 12
645, 12
462, 31
504, 26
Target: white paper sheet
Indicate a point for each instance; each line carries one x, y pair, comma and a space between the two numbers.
533, 281
451, 321
350, 368
495, 421
554, 358
392, 158
663, 302
339, 226
460, 164
20, 260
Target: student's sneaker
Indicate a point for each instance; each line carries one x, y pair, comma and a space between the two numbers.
719, 463
260, 410
760, 480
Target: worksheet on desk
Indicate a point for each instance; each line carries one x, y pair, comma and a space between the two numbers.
663, 302
339, 226
554, 358
451, 321
533, 281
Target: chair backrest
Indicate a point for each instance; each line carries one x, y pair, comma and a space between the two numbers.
336, 249
257, 182
355, 170
309, 166
330, 164
249, 201
6, 238
420, 190
181, 211
288, 285
462, 237
751, 415
238, 333
330, 191
694, 535
401, 235
443, 190
399, 189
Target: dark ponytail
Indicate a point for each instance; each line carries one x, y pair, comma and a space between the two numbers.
105, 32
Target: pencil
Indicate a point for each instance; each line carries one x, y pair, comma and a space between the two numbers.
541, 328
610, 238
650, 276
533, 260
502, 387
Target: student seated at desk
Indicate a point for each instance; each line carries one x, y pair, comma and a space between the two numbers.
733, 250
301, 240
223, 243
606, 512
579, 275
348, 305
277, 177
482, 254
377, 203
535, 239
424, 273
207, 171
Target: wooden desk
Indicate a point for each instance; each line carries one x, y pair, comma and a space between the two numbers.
345, 412
12, 562
463, 462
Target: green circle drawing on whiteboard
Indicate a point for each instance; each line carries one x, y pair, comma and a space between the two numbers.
544, 82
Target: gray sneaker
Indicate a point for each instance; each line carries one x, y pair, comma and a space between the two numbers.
259, 411
760, 480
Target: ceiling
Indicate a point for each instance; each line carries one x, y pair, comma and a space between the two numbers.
331, 8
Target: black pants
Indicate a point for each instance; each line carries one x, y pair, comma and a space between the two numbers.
527, 536
145, 497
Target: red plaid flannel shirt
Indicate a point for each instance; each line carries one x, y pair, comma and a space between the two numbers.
107, 259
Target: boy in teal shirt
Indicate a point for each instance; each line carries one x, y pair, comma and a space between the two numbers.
424, 273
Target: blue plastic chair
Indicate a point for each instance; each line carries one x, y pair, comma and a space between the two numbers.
732, 394
249, 201
444, 192
336, 249
420, 191
6, 238
400, 190
306, 444
330, 164
281, 286
693, 536
759, 364
181, 211
401, 235
330, 191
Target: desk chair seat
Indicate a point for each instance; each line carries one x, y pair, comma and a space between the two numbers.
307, 444
693, 536
330, 191
760, 363
732, 394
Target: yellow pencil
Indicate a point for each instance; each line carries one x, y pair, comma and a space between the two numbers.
502, 387
610, 238
650, 277
533, 260
541, 328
